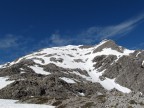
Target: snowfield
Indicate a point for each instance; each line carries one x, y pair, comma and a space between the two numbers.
4, 82
7, 103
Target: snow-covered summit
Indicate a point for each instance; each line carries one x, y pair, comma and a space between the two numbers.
72, 56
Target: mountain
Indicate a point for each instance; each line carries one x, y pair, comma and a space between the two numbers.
102, 75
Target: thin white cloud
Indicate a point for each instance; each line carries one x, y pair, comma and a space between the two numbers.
8, 41
87, 36
121, 29
56, 39
14, 42
138, 46
93, 34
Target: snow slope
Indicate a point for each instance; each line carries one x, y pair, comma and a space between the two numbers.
6, 103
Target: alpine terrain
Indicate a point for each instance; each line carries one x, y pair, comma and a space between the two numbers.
100, 76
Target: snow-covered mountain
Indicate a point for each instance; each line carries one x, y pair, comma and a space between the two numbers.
69, 71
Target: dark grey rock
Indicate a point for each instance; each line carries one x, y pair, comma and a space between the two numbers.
79, 60
85, 46
103, 62
49, 55
109, 44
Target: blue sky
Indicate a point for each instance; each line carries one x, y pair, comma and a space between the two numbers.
29, 25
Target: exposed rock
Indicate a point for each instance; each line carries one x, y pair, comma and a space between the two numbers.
56, 59
79, 60
49, 55
128, 72
109, 44
39, 54
85, 46
40, 59
70, 55
88, 53
53, 68
50, 86
103, 61
9, 71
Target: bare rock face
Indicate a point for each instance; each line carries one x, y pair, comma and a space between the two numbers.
9, 71
103, 62
56, 59
50, 86
128, 72
29, 84
85, 46
79, 60
53, 68
109, 44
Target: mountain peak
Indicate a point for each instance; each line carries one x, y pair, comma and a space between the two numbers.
108, 44
61, 73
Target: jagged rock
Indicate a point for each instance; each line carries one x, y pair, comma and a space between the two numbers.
109, 44
53, 68
49, 55
103, 61
85, 46
26, 62
56, 59
70, 55
9, 71
102, 78
79, 60
128, 72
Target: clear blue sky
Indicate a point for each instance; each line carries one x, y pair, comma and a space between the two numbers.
29, 25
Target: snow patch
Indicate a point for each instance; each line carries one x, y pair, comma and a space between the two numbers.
111, 84
81, 94
109, 51
108, 84
7, 103
37, 61
143, 63
22, 72
4, 82
101, 43
39, 70
1, 66
138, 54
68, 80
